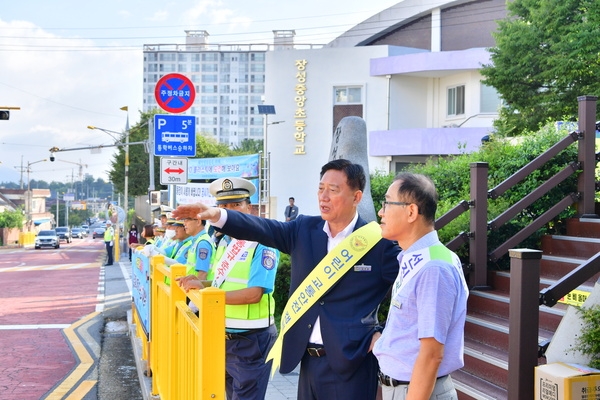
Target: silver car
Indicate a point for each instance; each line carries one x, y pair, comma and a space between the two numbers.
47, 238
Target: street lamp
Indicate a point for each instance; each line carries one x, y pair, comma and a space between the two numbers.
29, 200
266, 110
126, 134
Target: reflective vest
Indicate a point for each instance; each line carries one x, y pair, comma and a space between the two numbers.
193, 254
243, 316
183, 248
109, 234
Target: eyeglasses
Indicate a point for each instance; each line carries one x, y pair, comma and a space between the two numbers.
392, 203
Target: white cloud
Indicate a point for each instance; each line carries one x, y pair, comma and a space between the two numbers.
159, 16
61, 90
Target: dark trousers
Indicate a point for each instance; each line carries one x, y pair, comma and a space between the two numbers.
247, 374
109, 253
318, 381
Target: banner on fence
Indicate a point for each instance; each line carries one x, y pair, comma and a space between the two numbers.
140, 288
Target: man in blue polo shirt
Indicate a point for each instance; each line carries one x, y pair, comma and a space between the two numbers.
423, 340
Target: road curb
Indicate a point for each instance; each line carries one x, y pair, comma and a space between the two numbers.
141, 365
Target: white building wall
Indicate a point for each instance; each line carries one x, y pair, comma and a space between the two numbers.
298, 175
409, 95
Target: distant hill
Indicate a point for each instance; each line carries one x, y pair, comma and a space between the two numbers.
9, 175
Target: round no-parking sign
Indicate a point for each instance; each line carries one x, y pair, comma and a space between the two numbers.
175, 93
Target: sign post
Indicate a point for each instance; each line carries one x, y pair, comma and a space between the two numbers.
173, 171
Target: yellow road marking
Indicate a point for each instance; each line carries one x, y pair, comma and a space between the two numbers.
82, 390
85, 362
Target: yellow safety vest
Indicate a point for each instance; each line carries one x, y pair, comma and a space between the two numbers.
243, 316
192, 254
109, 234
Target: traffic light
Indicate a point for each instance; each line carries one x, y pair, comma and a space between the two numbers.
4, 114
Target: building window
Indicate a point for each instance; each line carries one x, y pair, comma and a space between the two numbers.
489, 99
210, 57
347, 95
210, 78
168, 57
167, 67
210, 68
456, 100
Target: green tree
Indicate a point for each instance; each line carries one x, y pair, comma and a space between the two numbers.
547, 53
12, 219
139, 176
248, 146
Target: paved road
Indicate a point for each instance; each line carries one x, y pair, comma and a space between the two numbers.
52, 321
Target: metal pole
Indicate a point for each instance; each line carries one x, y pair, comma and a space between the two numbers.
28, 200
126, 194
151, 153
265, 191
151, 186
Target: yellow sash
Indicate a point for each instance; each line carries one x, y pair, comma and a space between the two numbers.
329, 270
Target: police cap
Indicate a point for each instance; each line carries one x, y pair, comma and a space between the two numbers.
231, 190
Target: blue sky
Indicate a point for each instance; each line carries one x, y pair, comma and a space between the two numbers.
69, 64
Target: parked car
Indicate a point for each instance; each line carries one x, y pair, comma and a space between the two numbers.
64, 233
78, 233
47, 238
98, 232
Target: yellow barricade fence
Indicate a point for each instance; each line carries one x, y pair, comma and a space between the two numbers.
26, 238
186, 355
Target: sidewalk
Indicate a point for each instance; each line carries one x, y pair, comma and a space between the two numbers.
281, 387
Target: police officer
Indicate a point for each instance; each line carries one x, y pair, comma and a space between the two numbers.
109, 241
246, 271
201, 251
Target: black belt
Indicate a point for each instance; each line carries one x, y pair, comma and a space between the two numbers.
316, 351
240, 335
389, 381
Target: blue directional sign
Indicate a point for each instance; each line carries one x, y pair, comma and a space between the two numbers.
175, 135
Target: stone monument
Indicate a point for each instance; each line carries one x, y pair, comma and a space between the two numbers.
349, 141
